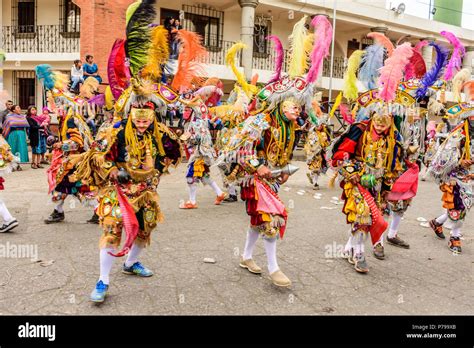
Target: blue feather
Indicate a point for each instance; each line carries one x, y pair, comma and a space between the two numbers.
45, 75
435, 71
370, 64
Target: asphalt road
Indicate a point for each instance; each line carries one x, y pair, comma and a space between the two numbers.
426, 279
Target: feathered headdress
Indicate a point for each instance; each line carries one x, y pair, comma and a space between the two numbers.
297, 52
117, 72
190, 61
381, 39
322, 41
458, 81
350, 90
435, 72
89, 87
392, 72
279, 56
416, 67
250, 90
51, 79
158, 53
371, 63
138, 33
454, 63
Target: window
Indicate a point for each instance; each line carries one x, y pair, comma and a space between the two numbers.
261, 29
352, 46
24, 88
24, 15
69, 16
166, 12
207, 22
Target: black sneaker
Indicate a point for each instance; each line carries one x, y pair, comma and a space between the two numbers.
54, 217
360, 264
9, 226
454, 245
437, 228
94, 219
316, 186
231, 199
397, 241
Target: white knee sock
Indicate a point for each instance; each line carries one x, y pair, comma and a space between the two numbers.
270, 249
192, 192
456, 231
358, 242
96, 204
314, 178
4, 213
394, 224
252, 237
232, 190
59, 207
442, 218
133, 254
214, 186
106, 263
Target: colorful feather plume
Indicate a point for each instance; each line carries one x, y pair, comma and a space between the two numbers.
190, 60
416, 67
158, 53
250, 90
109, 98
392, 72
435, 71
297, 53
458, 80
371, 63
346, 114
350, 91
138, 35
468, 88
454, 63
279, 56
420, 45
61, 80
45, 75
381, 39
308, 46
322, 42
337, 102
131, 10
89, 87
117, 72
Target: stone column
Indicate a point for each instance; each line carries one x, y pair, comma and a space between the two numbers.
246, 34
2, 52
468, 60
427, 52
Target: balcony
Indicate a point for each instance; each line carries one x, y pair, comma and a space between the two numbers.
268, 62
39, 39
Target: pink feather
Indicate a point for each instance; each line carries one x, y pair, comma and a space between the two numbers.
382, 40
416, 67
279, 55
392, 72
454, 63
323, 37
420, 45
346, 115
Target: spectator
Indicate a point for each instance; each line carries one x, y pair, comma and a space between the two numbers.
175, 26
5, 112
14, 131
77, 76
36, 136
91, 68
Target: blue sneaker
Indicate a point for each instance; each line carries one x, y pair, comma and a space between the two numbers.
98, 295
138, 269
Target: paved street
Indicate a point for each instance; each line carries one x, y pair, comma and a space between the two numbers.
426, 279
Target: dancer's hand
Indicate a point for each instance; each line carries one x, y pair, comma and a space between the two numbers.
264, 172
355, 179
284, 177
466, 163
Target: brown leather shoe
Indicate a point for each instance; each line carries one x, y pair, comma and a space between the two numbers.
250, 265
280, 279
379, 252
437, 229
397, 241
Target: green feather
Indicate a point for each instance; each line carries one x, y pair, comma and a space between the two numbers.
131, 10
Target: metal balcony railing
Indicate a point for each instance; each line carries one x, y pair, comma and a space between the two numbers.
39, 39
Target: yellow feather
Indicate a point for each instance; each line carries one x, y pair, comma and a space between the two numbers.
337, 102
308, 46
109, 98
158, 53
60, 80
350, 90
249, 89
131, 10
297, 48
91, 85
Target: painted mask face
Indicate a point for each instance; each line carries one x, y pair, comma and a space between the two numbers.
291, 110
381, 123
142, 118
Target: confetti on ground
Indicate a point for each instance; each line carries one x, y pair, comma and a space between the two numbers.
424, 224
300, 193
317, 197
421, 219
334, 198
286, 189
327, 208
209, 260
